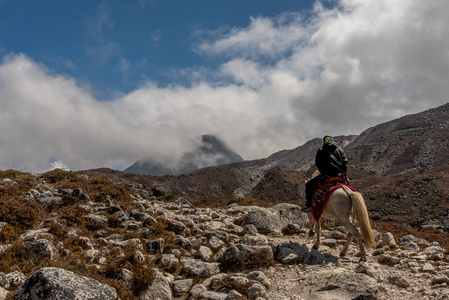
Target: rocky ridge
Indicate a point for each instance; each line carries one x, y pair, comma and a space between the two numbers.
94, 239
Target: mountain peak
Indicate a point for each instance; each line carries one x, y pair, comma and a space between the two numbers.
208, 150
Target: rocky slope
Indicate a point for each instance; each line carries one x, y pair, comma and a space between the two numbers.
412, 144
401, 166
70, 236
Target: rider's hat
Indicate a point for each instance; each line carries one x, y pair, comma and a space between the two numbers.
328, 139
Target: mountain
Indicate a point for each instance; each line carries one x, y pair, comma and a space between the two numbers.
413, 143
209, 151
408, 145
401, 167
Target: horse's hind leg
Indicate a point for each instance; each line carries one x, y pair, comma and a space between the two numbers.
318, 235
352, 230
344, 251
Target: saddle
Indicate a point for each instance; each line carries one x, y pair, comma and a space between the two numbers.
322, 192
328, 182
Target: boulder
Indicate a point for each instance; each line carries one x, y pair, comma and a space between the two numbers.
201, 269
41, 249
182, 286
4, 281
257, 290
274, 219
158, 289
15, 279
209, 295
156, 246
56, 283
336, 283
3, 293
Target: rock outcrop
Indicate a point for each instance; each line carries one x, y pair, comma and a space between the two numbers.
60, 284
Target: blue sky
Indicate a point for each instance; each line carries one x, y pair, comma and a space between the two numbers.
116, 45
93, 84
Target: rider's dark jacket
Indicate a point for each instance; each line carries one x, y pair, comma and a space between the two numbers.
331, 160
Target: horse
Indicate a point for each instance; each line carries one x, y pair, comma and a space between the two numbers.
344, 204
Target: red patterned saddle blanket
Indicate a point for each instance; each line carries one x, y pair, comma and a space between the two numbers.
322, 194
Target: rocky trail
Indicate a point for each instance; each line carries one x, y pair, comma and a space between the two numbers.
88, 238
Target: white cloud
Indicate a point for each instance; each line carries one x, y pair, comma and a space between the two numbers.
264, 36
100, 48
46, 116
284, 81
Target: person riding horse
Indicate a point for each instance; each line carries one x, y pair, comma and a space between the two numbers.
331, 161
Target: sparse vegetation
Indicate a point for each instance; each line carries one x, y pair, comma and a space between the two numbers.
68, 216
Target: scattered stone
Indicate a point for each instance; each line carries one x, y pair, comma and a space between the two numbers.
440, 279
388, 260
399, 281
428, 268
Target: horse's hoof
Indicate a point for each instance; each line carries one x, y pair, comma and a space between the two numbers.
315, 247
342, 255
362, 259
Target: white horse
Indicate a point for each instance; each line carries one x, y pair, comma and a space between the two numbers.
343, 204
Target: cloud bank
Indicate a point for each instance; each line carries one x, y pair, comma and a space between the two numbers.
283, 81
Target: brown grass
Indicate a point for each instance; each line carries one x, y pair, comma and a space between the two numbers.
399, 230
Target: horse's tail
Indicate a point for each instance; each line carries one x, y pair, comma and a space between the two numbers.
361, 214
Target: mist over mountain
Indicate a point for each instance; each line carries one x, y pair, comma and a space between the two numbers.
406, 158
208, 150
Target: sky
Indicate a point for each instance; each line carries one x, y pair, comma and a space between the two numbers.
89, 84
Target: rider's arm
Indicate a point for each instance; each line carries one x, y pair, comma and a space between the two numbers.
346, 177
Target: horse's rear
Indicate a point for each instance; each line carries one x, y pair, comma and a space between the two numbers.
341, 205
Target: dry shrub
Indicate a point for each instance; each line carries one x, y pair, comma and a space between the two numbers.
253, 202
8, 234
23, 179
58, 230
102, 186
20, 213
72, 216
59, 175
121, 290
259, 260
157, 229
399, 230
227, 285
142, 276
92, 225
17, 257
255, 261
113, 221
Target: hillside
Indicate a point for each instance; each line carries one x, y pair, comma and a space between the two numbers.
66, 235
401, 166
107, 234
